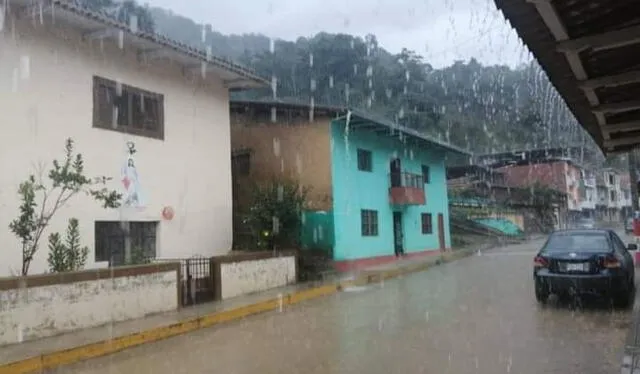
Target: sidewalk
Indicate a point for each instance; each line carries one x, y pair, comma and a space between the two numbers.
51, 352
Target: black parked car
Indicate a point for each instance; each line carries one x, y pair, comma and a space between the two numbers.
578, 262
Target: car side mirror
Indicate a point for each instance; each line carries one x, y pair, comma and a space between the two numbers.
632, 247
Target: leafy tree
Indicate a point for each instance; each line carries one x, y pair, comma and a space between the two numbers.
138, 257
41, 200
275, 213
543, 199
67, 255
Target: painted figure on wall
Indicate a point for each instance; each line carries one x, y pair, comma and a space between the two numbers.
131, 181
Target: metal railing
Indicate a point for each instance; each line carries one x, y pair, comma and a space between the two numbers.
404, 179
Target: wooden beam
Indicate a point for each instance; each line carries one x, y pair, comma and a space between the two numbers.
624, 106
550, 17
34, 10
101, 34
627, 141
611, 81
152, 54
622, 127
604, 41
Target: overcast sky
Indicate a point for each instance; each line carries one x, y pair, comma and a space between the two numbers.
441, 30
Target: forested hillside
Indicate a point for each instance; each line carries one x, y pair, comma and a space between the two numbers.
483, 108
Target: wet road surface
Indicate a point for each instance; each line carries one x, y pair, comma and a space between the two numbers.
476, 315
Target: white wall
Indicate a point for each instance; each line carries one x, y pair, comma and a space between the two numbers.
590, 198
46, 96
35, 312
244, 277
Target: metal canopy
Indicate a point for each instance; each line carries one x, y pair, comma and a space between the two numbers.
589, 49
98, 26
359, 120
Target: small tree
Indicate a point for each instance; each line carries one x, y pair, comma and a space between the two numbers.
544, 199
40, 201
67, 255
275, 213
138, 257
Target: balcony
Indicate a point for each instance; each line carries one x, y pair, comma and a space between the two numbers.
406, 189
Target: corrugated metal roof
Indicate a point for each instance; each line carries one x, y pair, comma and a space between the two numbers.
238, 76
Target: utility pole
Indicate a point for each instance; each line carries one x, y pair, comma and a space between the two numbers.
633, 176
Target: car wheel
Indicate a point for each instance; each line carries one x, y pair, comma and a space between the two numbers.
542, 292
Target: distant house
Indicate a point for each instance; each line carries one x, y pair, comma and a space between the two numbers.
561, 175
377, 190
69, 72
614, 192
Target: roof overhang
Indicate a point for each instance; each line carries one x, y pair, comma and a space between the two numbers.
98, 26
588, 48
359, 120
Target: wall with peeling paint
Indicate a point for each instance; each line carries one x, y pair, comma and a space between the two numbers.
37, 312
244, 277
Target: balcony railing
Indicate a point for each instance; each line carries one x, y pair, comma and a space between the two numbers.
406, 189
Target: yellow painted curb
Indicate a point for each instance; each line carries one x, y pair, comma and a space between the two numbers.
379, 276
103, 348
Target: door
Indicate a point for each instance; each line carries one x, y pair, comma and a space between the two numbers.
398, 236
395, 173
441, 239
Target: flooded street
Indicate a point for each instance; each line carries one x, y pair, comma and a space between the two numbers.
476, 315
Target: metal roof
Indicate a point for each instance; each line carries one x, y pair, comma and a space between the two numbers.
150, 46
358, 120
588, 48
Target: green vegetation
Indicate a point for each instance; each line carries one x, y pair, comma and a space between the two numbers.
41, 199
67, 255
275, 214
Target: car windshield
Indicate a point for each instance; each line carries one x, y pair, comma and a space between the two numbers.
577, 242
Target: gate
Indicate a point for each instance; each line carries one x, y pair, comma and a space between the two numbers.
197, 282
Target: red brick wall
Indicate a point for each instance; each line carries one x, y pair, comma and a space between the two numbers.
552, 175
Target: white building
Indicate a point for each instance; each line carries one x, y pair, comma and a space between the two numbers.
61, 67
588, 196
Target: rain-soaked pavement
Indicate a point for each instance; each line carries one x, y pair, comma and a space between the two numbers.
476, 315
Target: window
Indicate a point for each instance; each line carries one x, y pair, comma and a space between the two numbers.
365, 162
426, 178
572, 242
427, 223
114, 239
241, 164
127, 109
369, 219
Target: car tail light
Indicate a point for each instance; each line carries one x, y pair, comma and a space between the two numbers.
540, 262
611, 262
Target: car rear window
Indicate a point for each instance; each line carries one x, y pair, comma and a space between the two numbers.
582, 242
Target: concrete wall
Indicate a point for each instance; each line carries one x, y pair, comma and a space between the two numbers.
292, 148
45, 305
46, 96
354, 190
246, 273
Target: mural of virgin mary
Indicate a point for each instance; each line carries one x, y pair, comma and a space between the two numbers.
131, 183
